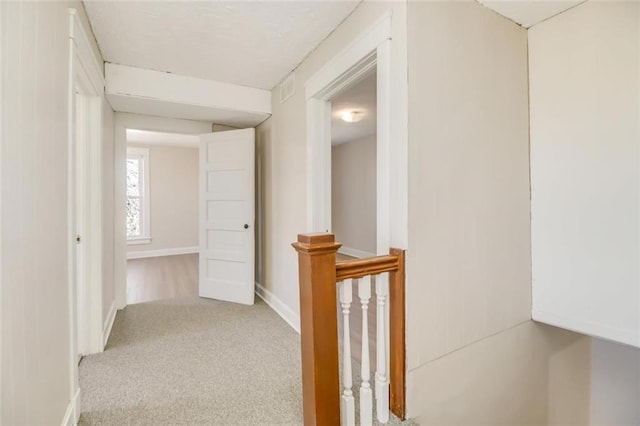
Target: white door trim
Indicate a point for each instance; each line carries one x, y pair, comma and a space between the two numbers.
85, 75
371, 49
362, 47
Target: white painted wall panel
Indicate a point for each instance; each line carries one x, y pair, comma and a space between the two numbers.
585, 146
35, 368
35, 360
474, 356
468, 177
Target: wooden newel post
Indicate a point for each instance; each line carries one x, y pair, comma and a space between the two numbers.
319, 328
397, 343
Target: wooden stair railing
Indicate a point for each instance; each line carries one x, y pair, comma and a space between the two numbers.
318, 276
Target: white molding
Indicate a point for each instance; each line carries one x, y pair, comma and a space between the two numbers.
138, 241
360, 254
356, 51
371, 49
71, 221
318, 165
350, 77
72, 415
86, 56
108, 323
285, 312
162, 252
85, 75
2, 101
383, 148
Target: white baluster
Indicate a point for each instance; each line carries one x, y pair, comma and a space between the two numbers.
348, 410
366, 395
382, 382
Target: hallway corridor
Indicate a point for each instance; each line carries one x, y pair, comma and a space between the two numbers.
195, 361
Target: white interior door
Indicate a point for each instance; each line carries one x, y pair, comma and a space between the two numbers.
79, 177
227, 185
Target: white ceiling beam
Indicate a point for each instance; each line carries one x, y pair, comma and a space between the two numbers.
122, 80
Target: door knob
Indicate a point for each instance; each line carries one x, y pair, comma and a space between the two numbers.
246, 226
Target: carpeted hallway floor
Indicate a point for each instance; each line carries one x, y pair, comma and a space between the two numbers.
197, 362
194, 361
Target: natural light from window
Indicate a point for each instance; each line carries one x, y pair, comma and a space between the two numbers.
134, 219
137, 196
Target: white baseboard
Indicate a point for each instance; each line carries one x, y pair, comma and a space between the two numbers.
162, 252
279, 307
108, 324
360, 254
72, 415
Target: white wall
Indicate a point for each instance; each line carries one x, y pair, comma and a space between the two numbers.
353, 194
585, 110
173, 188
36, 384
469, 176
282, 141
474, 356
585, 140
615, 384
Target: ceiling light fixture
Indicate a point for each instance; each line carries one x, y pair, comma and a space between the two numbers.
352, 116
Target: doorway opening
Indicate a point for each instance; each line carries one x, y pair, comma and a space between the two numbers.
161, 215
353, 168
189, 225
370, 52
354, 188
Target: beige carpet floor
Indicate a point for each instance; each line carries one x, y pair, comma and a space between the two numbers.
197, 362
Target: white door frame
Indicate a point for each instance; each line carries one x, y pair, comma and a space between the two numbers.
370, 50
122, 122
85, 77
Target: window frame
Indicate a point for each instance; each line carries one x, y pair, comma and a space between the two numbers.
142, 154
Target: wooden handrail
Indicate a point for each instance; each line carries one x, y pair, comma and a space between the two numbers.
359, 268
318, 275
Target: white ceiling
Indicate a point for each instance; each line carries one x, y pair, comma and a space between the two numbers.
146, 137
529, 12
362, 98
250, 43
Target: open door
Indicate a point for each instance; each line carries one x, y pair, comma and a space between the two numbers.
227, 185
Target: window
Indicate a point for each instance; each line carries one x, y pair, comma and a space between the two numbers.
138, 226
